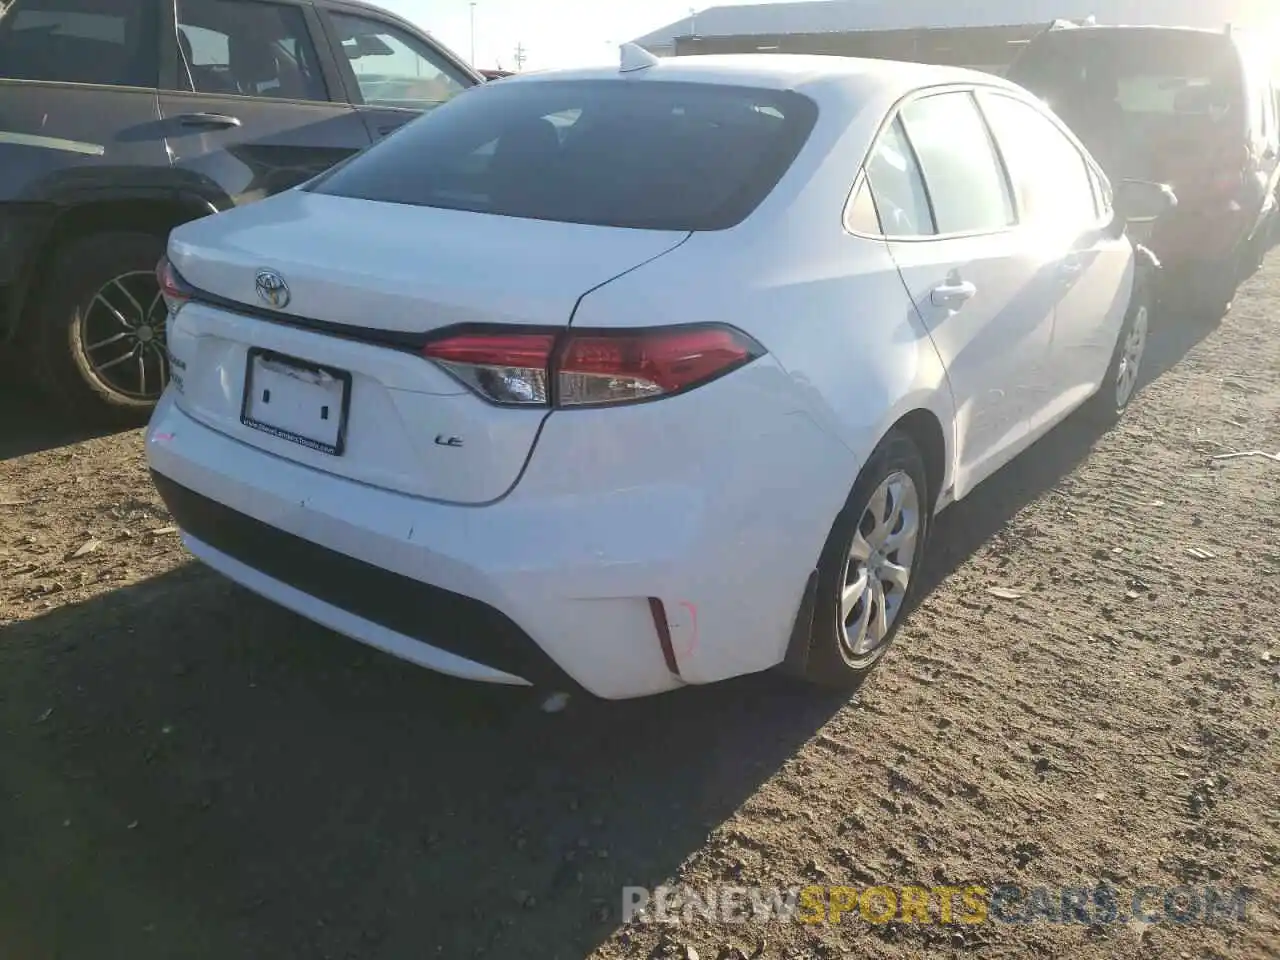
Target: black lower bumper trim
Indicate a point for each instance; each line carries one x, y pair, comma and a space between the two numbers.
441, 618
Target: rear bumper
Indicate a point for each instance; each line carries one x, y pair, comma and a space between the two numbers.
1201, 235
555, 580
448, 622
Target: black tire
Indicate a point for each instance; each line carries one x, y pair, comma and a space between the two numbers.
831, 663
1212, 288
1107, 406
54, 332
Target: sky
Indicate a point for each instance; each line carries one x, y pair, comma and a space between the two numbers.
555, 33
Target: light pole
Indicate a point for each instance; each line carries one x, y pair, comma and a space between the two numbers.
473, 33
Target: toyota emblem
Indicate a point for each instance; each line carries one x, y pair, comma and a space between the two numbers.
272, 290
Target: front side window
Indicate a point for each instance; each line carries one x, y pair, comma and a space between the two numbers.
961, 170
248, 48
661, 155
79, 41
395, 69
1050, 175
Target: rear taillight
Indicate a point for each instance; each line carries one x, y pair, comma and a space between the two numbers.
173, 288
590, 368
502, 367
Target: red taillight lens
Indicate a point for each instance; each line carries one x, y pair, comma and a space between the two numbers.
614, 368
173, 288
586, 368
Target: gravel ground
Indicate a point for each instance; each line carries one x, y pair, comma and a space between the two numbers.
186, 771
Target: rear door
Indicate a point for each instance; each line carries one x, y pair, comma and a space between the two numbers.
252, 104
393, 73
77, 111
1062, 216
948, 215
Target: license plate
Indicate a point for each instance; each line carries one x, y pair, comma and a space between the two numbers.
297, 401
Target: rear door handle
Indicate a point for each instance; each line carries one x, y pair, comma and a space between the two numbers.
218, 121
953, 293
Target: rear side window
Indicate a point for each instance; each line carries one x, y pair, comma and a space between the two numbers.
248, 48
80, 41
902, 205
655, 155
961, 170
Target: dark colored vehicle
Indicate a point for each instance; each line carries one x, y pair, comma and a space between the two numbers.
120, 119
1191, 108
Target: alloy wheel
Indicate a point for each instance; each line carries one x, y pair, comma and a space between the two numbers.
879, 566
1135, 345
122, 337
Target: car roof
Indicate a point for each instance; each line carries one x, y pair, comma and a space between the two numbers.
799, 72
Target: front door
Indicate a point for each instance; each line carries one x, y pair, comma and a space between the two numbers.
252, 109
1064, 215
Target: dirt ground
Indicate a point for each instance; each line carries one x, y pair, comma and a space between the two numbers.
187, 772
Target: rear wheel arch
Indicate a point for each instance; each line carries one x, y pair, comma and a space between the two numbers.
922, 427
925, 430
156, 216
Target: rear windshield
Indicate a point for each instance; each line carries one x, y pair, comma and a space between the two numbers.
1155, 73
626, 153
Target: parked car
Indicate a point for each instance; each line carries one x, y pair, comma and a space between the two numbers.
120, 119
1193, 108
668, 398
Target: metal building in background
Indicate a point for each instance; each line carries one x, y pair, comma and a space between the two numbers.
978, 33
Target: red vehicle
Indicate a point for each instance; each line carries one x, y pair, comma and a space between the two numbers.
1195, 109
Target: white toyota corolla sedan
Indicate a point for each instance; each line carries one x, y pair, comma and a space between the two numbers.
625, 379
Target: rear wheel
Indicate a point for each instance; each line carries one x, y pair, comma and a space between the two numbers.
868, 574
97, 341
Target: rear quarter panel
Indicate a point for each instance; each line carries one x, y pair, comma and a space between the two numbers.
828, 305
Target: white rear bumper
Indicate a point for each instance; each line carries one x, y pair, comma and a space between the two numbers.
615, 509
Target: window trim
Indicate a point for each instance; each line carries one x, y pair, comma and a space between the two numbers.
891, 116
158, 11
173, 81
350, 84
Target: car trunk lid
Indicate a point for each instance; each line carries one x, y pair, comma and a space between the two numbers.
337, 381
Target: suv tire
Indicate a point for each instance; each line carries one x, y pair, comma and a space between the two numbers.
98, 303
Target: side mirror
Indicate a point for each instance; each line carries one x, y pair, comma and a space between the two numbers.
1142, 201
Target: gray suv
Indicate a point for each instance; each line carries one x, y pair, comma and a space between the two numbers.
120, 119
